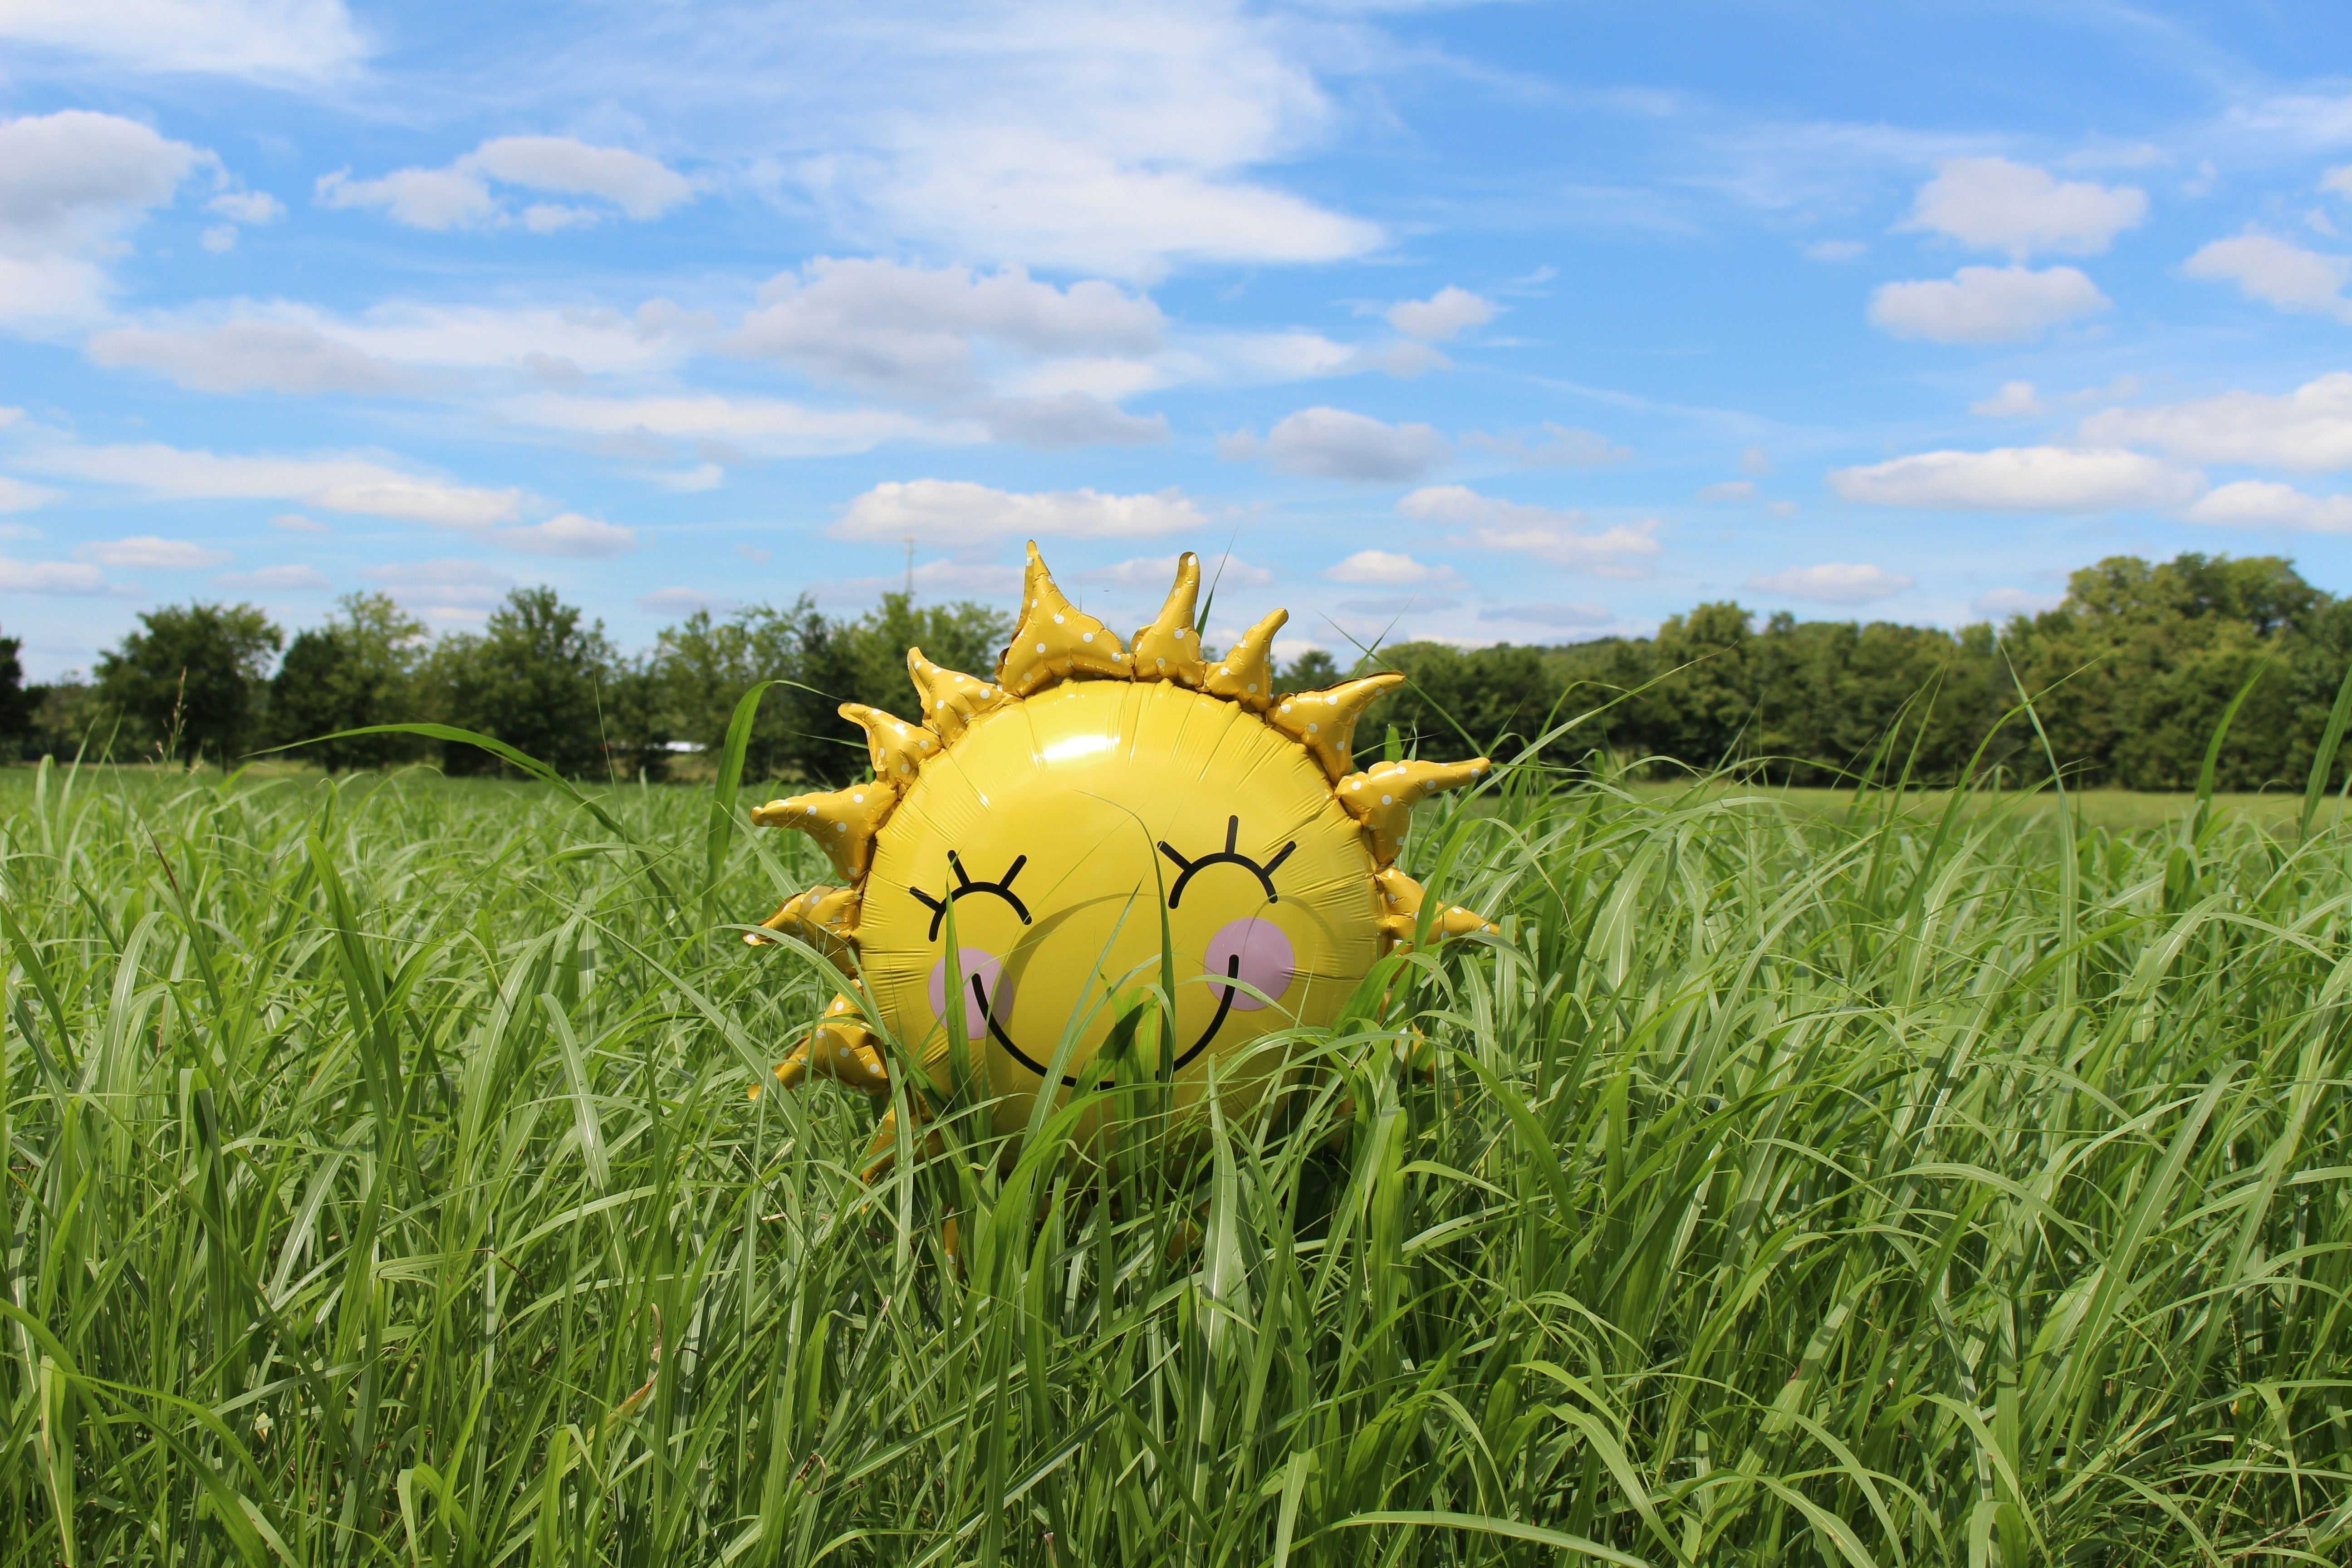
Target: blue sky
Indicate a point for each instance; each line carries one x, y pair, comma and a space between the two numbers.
1482, 322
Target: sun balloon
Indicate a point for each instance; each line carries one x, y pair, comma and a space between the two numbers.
1091, 817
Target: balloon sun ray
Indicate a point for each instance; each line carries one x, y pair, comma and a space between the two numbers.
1004, 826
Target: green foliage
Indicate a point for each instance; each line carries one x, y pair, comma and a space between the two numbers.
18, 704
382, 1187
357, 669
532, 677
192, 680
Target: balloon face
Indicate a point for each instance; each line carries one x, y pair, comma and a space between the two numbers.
1036, 854
1062, 833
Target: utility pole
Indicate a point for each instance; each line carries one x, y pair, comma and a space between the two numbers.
910, 568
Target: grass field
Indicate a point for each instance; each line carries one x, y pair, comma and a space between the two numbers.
1796, 1185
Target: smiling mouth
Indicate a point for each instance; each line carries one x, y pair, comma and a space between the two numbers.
1225, 1007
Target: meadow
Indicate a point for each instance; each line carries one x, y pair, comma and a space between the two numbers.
1956, 1181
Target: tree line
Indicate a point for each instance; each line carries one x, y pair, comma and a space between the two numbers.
2129, 677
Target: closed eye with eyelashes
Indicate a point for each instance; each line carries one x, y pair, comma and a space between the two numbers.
1229, 856
1001, 888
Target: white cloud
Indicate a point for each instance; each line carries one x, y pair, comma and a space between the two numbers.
1333, 444
2263, 503
1445, 314
1154, 574
458, 195
640, 186
1985, 304
353, 484
1388, 569
1832, 583
147, 550
765, 426
49, 577
2015, 400
421, 198
2309, 429
1993, 204
293, 579
2277, 273
568, 534
684, 601
265, 39
1561, 538
70, 184
958, 511
1069, 419
15, 495
1729, 490
250, 207
2021, 478
1559, 447
295, 522
251, 356
914, 330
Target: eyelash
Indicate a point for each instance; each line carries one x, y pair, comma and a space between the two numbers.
1227, 856
1001, 888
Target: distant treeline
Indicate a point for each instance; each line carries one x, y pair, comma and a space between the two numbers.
2130, 675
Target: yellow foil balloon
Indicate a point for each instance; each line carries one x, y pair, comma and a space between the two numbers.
1055, 816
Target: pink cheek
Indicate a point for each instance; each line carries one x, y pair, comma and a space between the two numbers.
1267, 960
978, 964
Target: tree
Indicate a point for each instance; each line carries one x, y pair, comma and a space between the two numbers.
17, 702
530, 679
194, 679
356, 670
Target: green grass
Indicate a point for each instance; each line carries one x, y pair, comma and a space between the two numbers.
1794, 1186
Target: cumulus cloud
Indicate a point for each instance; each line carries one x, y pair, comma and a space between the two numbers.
251, 356
2309, 429
344, 483
267, 40
2015, 400
1992, 204
1069, 419
1561, 537
2021, 478
49, 577
2263, 503
684, 601
1985, 304
568, 534
288, 579
1333, 444
1444, 315
1388, 569
15, 495
147, 550
960, 512
899, 329
2277, 273
70, 184
1832, 582
458, 195
1559, 447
